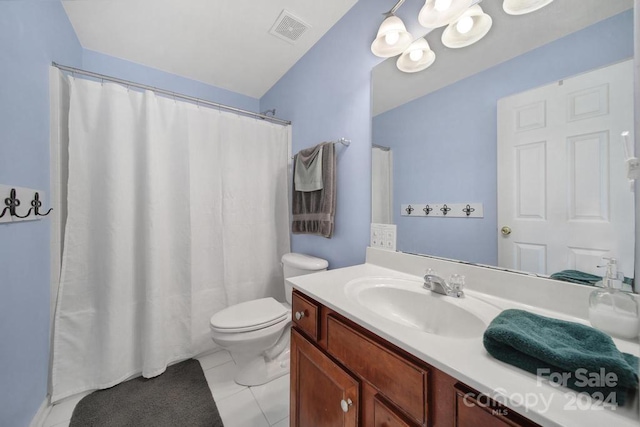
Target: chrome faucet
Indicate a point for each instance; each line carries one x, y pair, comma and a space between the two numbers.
437, 284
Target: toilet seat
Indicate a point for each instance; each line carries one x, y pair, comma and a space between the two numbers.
249, 316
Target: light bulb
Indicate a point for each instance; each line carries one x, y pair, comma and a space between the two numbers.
442, 5
416, 55
464, 24
392, 37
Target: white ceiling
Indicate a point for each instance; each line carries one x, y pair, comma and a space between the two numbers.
509, 37
225, 43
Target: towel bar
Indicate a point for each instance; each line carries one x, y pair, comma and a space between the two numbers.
343, 141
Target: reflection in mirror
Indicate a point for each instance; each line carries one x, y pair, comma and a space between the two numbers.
382, 185
442, 128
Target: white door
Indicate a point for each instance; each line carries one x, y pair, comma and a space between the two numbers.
562, 186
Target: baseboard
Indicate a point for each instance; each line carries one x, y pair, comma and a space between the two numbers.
43, 411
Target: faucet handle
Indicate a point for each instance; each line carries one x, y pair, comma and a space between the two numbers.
611, 266
610, 261
429, 272
456, 281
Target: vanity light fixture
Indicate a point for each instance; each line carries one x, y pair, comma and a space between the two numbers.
473, 25
520, 7
466, 24
417, 57
438, 13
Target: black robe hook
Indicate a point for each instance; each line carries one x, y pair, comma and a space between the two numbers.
468, 209
11, 204
37, 204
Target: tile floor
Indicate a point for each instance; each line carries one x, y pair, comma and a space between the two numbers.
261, 406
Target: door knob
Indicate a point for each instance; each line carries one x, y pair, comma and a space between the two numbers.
506, 230
345, 405
299, 315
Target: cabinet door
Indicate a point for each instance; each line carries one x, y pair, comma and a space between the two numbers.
401, 382
322, 393
476, 410
384, 415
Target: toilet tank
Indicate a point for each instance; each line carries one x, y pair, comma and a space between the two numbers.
294, 264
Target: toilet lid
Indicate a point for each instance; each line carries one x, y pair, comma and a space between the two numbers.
249, 316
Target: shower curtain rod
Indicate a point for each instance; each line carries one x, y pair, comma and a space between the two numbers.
198, 101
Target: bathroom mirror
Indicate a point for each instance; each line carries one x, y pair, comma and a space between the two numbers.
436, 136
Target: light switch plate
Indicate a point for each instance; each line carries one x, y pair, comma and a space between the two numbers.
383, 236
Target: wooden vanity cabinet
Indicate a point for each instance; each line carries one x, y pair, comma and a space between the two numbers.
344, 375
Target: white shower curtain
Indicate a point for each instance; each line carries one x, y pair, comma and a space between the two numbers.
174, 212
381, 186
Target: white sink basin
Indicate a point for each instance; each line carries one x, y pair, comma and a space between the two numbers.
406, 302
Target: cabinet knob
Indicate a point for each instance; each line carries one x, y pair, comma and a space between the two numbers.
299, 315
345, 405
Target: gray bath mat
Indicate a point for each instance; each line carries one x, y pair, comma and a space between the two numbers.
180, 397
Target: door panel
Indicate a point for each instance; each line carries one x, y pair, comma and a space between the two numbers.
562, 188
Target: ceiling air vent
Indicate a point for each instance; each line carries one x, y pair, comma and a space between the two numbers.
289, 27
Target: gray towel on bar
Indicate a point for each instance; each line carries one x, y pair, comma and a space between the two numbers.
308, 170
314, 211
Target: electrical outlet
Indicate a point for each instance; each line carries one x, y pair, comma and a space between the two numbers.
383, 236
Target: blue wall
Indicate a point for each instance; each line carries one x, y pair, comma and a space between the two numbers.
327, 95
32, 34
444, 144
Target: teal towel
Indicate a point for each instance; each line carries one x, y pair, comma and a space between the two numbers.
582, 278
575, 276
580, 353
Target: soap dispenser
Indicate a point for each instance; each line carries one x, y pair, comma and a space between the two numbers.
612, 310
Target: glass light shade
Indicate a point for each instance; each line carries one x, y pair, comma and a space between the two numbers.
453, 38
442, 5
416, 54
520, 7
392, 38
408, 64
464, 24
431, 15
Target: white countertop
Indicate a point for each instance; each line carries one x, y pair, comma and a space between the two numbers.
466, 359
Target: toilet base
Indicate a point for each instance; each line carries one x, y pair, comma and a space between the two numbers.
260, 370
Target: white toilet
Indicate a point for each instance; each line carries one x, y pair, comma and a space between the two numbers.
257, 332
